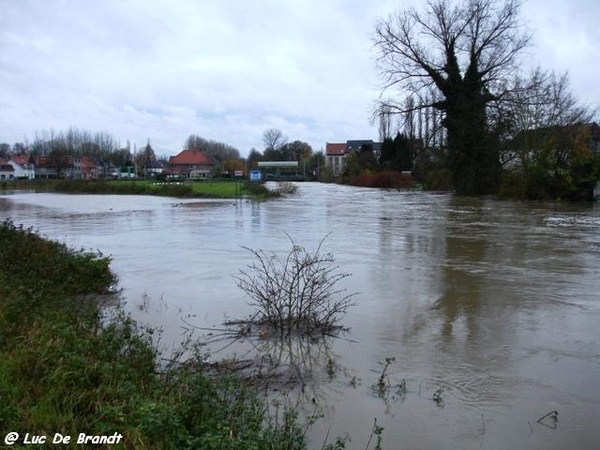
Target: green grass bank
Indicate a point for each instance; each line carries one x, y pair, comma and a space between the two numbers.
68, 367
187, 189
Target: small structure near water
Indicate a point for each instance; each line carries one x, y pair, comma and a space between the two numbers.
281, 170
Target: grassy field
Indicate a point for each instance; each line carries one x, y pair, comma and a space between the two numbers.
68, 367
188, 189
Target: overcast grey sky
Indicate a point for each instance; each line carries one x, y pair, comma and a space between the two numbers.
227, 69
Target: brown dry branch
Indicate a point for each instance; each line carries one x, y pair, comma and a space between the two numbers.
298, 293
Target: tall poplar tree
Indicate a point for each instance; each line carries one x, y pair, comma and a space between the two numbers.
467, 52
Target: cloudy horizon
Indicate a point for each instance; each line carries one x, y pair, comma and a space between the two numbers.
227, 71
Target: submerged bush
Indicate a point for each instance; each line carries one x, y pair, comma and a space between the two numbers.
259, 189
297, 293
286, 187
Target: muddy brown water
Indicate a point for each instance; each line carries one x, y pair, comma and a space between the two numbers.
491, 307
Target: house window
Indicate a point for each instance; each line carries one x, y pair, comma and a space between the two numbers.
331, 161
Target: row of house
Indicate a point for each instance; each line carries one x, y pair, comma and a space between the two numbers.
192, 164
25, 167
335, 153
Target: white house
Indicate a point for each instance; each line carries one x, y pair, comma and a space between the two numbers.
334, 157
23, 167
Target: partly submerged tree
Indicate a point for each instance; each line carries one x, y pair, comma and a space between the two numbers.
467, 52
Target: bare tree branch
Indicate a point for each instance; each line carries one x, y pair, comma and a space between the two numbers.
296, 293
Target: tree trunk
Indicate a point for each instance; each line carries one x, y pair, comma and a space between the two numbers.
473, 157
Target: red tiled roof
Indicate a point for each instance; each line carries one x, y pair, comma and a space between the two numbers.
190, 157
87, 163
47, 160
20, 159
42, 160
335, 149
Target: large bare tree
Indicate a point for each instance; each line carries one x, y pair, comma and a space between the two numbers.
274, 142
273, 139
467, 52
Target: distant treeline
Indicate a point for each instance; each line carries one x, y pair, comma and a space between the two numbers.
104, 146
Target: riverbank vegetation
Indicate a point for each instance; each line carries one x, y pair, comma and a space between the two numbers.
402, 164
182, 189
454, 80
69, 366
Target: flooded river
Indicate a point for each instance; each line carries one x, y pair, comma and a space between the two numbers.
487, 312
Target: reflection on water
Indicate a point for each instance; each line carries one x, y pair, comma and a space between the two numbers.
303, 368
492, 304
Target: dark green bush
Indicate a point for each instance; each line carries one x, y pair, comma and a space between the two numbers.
438, 180
512, 185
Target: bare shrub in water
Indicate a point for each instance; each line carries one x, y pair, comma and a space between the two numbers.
298, 293
286, 187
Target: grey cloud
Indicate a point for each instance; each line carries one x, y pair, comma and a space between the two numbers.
226, 70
